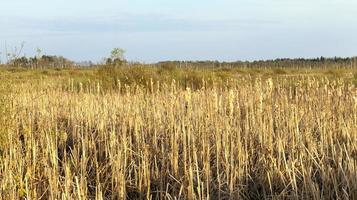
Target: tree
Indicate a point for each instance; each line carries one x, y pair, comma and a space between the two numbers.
10, 57
39, 52
116, 57
117, 53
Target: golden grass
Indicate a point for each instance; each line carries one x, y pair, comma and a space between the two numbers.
253, 138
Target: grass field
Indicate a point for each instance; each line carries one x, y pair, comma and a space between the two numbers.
167, 133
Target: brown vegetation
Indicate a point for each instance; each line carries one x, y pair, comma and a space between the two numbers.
145, 133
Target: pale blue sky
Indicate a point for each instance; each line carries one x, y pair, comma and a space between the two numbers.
182, 30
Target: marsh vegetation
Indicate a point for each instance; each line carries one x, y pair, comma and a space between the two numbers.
178, 133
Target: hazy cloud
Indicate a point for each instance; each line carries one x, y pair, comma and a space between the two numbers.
132, 23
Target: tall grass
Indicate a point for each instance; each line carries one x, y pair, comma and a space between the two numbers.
245, 138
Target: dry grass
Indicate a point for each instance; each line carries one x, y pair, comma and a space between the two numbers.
282, 138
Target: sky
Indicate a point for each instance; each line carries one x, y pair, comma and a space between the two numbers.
157, 30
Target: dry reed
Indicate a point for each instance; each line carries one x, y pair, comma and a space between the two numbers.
256, 139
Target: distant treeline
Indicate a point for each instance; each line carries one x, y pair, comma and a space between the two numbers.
47, 61
44, 61
321, 62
